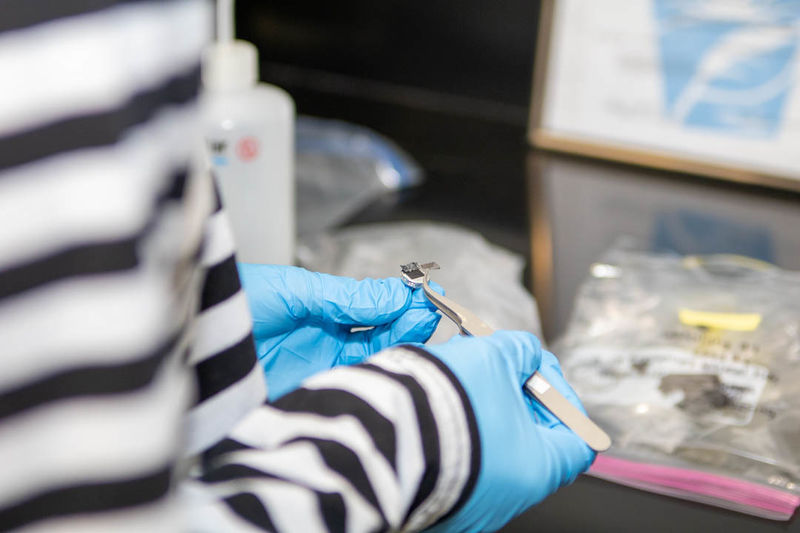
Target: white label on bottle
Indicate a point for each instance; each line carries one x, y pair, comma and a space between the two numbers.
705, 388
254, 174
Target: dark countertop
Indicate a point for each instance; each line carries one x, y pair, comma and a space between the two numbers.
598, 506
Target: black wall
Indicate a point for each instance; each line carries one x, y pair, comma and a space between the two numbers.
480, 49
448, 81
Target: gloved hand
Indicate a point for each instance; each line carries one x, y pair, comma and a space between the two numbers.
302, 320
526, 453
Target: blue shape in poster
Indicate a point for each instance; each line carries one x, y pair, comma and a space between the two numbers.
728, 66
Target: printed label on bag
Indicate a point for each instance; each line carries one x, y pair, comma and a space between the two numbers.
705, 388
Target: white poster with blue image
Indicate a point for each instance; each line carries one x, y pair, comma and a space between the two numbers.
714, 81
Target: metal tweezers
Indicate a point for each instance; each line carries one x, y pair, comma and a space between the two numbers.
417, 275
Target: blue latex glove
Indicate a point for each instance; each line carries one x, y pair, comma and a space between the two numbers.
302, 320
526, 453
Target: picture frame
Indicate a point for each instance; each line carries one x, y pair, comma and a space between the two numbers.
671, 84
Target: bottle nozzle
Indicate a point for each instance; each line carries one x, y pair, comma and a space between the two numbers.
225, 21
228, 63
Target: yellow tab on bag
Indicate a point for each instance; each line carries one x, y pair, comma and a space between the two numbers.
728, 321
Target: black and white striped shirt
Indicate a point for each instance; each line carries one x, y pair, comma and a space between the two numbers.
130, 394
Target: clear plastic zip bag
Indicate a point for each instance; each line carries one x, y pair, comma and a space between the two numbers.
692, 365
341, 168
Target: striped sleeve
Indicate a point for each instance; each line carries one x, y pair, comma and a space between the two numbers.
98, 212
230, 382
387, 445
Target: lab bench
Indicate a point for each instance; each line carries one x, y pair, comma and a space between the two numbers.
562, 213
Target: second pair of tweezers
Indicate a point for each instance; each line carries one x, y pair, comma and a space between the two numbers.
416, 275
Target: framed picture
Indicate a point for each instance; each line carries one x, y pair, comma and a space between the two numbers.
707, 87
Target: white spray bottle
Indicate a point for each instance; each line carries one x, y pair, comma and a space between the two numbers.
249, 130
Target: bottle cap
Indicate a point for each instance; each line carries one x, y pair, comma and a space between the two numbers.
230, 65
